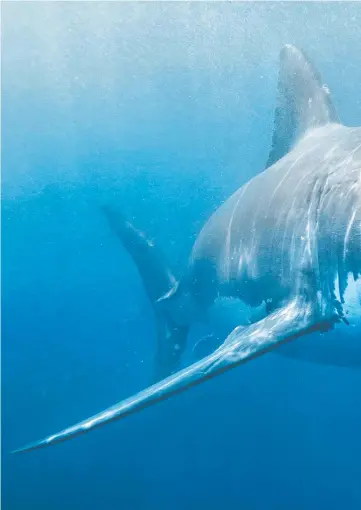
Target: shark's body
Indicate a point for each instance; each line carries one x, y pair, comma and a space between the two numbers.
288, 241
257, 244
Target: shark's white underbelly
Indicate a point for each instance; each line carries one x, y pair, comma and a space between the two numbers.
339, 347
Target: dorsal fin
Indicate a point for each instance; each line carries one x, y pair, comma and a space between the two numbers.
303, 102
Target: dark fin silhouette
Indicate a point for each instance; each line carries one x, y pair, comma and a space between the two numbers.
294, 320
171, 344
157, 277
160, 286
303, 102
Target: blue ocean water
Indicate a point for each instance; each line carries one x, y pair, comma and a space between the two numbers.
163, 109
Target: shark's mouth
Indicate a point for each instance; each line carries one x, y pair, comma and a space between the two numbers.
351, 300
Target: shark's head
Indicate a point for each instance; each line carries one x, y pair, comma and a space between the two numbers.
303, 104
305, 116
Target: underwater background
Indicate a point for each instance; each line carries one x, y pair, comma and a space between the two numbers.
163, 110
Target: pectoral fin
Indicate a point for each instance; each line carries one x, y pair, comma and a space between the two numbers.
242, 345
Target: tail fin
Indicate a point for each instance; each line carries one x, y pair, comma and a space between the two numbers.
159, 283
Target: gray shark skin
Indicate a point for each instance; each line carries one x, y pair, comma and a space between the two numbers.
289, 239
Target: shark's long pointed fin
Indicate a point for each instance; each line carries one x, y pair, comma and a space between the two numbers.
303, 102
243, 344
160, 285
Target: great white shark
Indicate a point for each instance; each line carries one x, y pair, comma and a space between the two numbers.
286, 247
